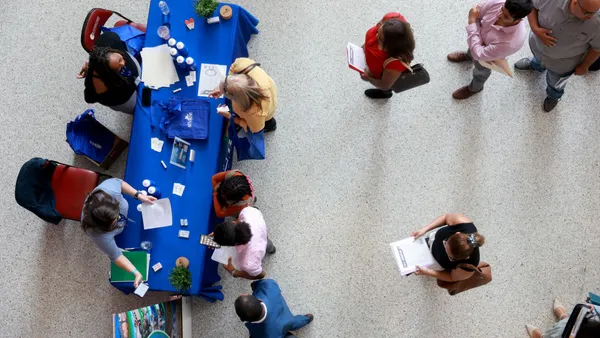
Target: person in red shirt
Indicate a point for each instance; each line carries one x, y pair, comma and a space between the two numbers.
232, 192
387, 45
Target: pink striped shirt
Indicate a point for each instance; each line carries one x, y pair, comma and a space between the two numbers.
488, 42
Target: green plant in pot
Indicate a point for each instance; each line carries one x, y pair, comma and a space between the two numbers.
180, 277
206, 8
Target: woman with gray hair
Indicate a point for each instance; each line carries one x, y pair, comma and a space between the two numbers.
253, 96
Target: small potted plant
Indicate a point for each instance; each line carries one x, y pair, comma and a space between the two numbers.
206, 8
180, 277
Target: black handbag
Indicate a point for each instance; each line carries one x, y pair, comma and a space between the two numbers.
584, 322
412, 77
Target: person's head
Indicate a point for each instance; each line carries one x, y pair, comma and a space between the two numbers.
231, 233
584, 9
107, 62
242, 89
460, 246
513, 11
248, 308
397, 39
101, 212
234, 189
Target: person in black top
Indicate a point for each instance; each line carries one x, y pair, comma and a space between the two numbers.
452, 245
111, 75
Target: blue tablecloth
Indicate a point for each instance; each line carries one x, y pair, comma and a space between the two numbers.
219, 43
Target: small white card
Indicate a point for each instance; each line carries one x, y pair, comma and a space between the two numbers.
156, 267
178, 189
189, 81
156, 144
193, 75
223, 109
184, 234
141, 289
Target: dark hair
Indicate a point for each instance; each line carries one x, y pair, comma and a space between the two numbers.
100, 212
398, 39
100, 64
462, 245
233, 189
248, 308
518, 9
232, 234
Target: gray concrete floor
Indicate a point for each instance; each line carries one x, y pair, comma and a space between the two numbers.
344, 177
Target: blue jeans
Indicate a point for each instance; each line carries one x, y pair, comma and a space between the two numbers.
556, 83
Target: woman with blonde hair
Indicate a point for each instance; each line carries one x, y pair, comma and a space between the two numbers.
253, 96
454, 246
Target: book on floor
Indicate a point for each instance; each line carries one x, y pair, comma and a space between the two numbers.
139, 259
409, 253
356, 57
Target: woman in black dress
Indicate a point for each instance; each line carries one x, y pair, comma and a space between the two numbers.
111, 75
456, 243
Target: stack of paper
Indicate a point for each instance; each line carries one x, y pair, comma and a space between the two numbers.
409, 253
222, 254
158, 70
157, 214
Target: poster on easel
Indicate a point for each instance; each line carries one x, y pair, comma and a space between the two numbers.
171, 319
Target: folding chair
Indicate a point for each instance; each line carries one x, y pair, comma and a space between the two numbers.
95, 19
53, 190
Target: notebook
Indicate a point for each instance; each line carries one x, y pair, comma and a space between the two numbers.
139, 259
409, 253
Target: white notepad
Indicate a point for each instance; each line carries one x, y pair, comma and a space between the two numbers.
222, 254
157, 215
356, 57
409, 253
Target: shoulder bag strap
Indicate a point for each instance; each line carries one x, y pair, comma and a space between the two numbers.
470, 267
388, 60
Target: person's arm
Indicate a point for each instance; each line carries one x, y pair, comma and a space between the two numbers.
591, 57
242, 274
479, 51
541, 32
127, 189
455, 275
450, 219
387, 80
126, 265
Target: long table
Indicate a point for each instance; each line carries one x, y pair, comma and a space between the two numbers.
219, 43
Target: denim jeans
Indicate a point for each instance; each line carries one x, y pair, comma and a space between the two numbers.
556, 83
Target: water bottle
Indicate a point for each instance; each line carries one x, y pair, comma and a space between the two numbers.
164, 8
182, 49
154, 191
181, 62
190, 63
164, 32
146, 245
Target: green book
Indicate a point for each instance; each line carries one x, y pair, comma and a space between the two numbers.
139, 259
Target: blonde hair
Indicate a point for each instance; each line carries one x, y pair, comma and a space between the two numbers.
243, 90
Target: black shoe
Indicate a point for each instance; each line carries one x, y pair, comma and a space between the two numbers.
549, 104
310, 317
378, 93
273, 250
270, 125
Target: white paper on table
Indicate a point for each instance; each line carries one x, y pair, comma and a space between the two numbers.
210, 77
157, 215
156, 144
222, 254
178, 189
141, 289
500, 66
159, 70
409, 253
356, 57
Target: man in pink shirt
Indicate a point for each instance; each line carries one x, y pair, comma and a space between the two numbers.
495, 31
249, 236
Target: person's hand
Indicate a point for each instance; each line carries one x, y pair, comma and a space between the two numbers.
83, 71
418, 233
581, 69
544, 35
423, 271
229, 267
138, 279
173, 297
365, 76
146, 199
212, 235
474, 14
216, 93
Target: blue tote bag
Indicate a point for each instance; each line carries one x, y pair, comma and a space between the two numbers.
248, 145
88, 137
184, 118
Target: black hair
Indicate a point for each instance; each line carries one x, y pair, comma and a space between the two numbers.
233, 189
518, 9
99, 63
100, 212
398, 39
248, 308
232, 234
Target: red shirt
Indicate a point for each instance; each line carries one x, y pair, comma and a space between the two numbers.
374, 56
